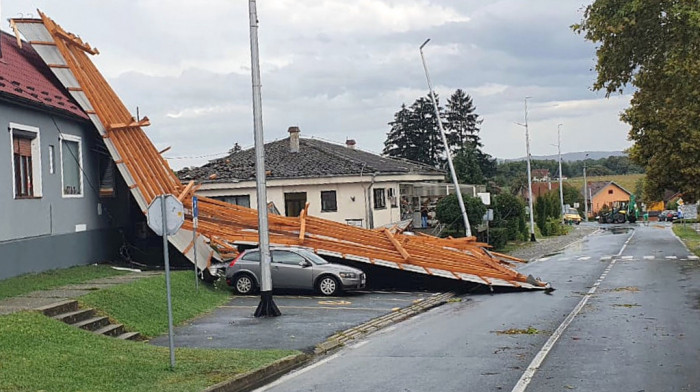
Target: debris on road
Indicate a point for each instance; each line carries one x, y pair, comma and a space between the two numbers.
223, 227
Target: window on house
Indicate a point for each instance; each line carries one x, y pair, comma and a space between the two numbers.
71, 166
379, 199
391, 192
610, 191
26, 161
239, 200
52, 161
329, 202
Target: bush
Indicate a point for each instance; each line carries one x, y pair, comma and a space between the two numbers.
509, 213
554, 227
547, 208
498, 237
448, 212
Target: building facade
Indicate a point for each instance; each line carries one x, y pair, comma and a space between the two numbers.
53, 169
340, 183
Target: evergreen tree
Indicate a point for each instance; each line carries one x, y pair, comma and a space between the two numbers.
427, 132
466, 163
463, 123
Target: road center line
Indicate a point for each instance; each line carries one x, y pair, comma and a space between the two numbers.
525, 379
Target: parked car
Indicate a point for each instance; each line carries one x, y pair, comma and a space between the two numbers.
668, 215
293, 268
572, 215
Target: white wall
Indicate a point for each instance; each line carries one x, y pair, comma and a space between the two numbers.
350, 195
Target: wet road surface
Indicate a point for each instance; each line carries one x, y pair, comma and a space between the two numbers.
631, 295
306, 320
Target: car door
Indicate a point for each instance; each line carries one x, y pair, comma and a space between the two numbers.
288, 273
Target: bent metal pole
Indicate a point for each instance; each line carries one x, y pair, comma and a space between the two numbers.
458, 191
267, 307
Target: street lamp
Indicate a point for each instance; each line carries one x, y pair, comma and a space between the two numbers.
458, 191
529, 175
267, 306
585, 187
561, 187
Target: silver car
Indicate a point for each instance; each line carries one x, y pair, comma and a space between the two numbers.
293, 268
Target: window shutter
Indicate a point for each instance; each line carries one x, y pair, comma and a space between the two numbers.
22, 146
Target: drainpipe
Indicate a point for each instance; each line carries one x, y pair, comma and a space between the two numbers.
368, 199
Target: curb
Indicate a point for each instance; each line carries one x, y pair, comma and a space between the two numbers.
341, 338
256, 378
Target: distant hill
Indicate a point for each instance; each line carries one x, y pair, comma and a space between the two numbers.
574, 156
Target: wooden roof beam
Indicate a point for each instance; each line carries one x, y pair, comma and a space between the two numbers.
117, 126
396, 244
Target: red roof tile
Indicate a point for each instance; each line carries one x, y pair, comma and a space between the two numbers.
25, 76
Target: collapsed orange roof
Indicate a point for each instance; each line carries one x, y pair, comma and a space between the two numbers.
222, 226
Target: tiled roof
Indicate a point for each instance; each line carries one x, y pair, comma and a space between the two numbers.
316, 158
25, 78
597, 186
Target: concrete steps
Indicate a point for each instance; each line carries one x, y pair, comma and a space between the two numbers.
70, 313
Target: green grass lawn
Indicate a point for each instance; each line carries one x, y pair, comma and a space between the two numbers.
38, 353
690, 237
627, 181
142, 305
24, 284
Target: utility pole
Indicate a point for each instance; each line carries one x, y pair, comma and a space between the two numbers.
529, 174
266, 307
585, 188
561, 186
458, 191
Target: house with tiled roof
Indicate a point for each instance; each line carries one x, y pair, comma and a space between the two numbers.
52, 170
340, 183
605, 193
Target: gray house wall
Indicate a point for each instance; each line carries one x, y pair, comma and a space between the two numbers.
53, 231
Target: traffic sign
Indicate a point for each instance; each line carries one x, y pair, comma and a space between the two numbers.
174, 215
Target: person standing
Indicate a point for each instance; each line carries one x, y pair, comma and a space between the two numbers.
424, 217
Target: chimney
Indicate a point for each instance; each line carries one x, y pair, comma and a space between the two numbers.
293, 139
350, 143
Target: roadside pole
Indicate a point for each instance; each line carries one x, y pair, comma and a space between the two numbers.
195, 214
165, 216
561, 186
166, 259
458, 190
585, 188
267, 306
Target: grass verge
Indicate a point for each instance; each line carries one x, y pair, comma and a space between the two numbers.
142, 305
690, 237
24, 284
39, 353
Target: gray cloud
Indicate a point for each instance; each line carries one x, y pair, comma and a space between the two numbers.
342, 69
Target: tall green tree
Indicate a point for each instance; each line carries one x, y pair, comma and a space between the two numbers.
653, 46
466, 164
448, 212
462, 121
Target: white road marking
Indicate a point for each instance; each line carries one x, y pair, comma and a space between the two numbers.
649, 257
583, 258
627, 257
671, 257
542, 354
606, 258
543, 258
693, 257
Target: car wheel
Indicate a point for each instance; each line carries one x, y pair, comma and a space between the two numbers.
328, 286
244, 284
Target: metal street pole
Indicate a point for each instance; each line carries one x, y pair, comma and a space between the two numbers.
585, 187
267, 306
561, 186
195, 221
529, 175
458, 191
166, 259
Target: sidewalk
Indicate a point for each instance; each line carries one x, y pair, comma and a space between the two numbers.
36, 299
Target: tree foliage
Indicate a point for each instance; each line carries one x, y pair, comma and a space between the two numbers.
415, 135
548, 213
448, 212
653, 46
509, 213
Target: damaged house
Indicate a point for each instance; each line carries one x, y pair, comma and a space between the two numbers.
341, 184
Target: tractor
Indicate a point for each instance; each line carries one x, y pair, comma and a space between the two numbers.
624, 212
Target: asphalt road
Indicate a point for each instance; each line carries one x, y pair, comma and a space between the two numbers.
306, 320
625, 316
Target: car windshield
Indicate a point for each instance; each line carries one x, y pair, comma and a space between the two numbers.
313, 257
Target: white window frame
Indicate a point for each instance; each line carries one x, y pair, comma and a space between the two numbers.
79, 140
36, 153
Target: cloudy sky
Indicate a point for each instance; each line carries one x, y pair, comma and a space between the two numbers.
340, 69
